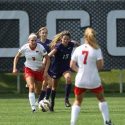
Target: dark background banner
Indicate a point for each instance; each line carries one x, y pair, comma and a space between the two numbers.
19, 18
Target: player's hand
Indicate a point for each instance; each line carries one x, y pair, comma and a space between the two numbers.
15, 71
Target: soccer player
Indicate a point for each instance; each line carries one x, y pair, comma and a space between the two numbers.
35, 71
61, 53
42, 39
86, 60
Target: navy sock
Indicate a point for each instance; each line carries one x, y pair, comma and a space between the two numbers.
53, 95
41, 96
48, 92
67, 91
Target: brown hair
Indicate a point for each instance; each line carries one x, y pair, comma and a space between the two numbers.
90, 37
66, 33
42, 28
57, 38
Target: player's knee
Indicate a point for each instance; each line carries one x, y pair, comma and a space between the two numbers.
37, 92
77, 102
68, 80
31, 88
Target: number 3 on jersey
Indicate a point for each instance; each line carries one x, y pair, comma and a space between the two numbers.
85, 53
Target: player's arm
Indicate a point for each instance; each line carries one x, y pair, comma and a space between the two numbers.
47, 64
76, 43
73, 65
16, 58
100, 64
52, 53
47, 60
100, 61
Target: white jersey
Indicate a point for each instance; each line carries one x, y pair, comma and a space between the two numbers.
33, 57
86, 57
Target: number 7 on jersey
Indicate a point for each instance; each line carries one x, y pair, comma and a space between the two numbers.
85, 57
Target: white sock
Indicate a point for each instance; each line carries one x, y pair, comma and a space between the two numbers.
103, 106
74, 114
32, 100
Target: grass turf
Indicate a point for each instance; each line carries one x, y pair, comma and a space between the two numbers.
15, 110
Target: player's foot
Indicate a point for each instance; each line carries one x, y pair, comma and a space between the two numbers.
33, 110
108, 123
67, 103
51, 109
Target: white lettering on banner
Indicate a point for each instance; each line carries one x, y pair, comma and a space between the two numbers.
23, 18
112, 33
52, 16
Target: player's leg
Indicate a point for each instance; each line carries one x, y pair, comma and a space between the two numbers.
103, 106
68, 79
49, 86
43, 91
29, 77
76, 105
40, 82
53, 93
38, 88
30, 82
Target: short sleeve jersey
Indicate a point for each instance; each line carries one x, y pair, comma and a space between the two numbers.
86, 57
62, 57
33, 57
46, 44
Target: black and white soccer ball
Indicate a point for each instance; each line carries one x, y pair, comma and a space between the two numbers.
44, 105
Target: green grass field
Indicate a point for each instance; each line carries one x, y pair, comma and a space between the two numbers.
15, 110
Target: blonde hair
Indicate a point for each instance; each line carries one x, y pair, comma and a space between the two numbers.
42, 28
55, 40
32, 35
90, 37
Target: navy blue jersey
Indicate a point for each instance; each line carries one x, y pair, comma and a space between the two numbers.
46, 44
61, 60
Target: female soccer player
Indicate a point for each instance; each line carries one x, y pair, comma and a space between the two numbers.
86, 61
42, 39
60, 65
35, 71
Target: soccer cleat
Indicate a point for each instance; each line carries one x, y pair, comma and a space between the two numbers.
51, 109
34, 110
67, 103
108, 123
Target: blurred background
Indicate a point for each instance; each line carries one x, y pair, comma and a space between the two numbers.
18, 18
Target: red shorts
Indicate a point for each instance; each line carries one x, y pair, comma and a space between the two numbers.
37, 75
78, 91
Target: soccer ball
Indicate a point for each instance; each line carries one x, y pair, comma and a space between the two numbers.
44, 105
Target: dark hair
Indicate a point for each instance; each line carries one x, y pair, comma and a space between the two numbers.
67, 33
